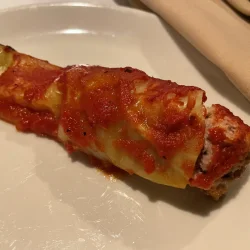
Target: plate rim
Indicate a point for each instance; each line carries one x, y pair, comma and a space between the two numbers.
124, 9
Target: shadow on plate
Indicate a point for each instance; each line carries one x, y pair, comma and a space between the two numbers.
190, 199
122, 2
132, 3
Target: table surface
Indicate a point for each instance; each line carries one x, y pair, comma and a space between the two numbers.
14, 3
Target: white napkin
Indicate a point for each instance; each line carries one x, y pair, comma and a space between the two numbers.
219, 34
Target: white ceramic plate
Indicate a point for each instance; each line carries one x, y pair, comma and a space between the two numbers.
49, 200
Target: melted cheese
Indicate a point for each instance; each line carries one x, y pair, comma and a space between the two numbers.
28, 81
51, 101
171, 171
5, 59
104, 102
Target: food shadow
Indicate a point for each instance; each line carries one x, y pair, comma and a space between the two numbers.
122, 225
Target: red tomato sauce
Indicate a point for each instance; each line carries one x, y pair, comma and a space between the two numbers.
41, 123
97, 97
29, 76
